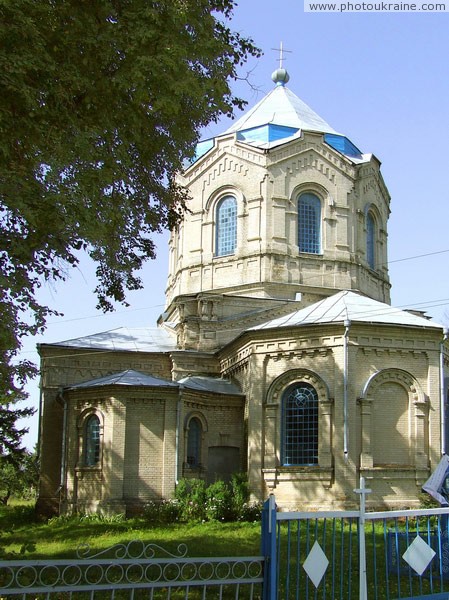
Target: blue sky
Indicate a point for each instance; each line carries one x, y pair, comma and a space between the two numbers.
382, 80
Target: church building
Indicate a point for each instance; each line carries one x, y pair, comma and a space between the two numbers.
278, 353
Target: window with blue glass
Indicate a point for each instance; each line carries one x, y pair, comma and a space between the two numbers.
92, 441
309, 223
371, 240
226, 226
300, 426
194, 442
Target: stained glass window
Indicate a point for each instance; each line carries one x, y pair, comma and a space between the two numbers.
309, 223
92, 441
370, 240
194, 442
226, 226
300, 425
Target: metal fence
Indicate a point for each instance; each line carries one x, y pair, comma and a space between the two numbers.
342, 555
133, 571
356, 555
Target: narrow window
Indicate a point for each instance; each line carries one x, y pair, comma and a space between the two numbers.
226, 226
446, 423
92, 441
309, 224
194, 443
370, 240
300, 425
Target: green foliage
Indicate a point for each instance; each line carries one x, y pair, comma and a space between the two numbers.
100, 104
426, 501
19, 476
93, 518
194, 501
191, 495
165, 511
219, 505
17, 515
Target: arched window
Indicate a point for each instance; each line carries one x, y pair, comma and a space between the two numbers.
300, 425
92, 441
309, 223
371, 240
226, 226
194, 442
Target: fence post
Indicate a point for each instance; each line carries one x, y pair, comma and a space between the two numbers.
362, 491
268, 548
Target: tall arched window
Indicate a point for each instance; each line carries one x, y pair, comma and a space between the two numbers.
300, 425
226, 226
194, 442
92, 441
371, 240
309, 223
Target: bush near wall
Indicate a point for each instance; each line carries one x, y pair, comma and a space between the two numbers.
195, 501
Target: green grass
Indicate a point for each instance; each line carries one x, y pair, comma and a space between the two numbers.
60, 538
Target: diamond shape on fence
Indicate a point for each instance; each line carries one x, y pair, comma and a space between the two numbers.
316, 564
418, 555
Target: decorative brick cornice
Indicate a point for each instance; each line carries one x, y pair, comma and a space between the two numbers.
393, 376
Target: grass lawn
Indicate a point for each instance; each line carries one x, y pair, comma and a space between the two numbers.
60, 538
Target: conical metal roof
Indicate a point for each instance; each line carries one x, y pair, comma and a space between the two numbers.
282, 107
281, 117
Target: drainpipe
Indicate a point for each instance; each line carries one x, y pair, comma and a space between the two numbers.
178, 419
442, 394
61, 488
347, 324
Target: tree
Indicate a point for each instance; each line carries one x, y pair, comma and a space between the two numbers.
18, 476
101, 102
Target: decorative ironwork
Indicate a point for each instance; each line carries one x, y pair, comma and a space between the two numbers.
132, 566
133, 549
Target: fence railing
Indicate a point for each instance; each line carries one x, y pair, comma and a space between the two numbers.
135, 570
333, 555
355, 555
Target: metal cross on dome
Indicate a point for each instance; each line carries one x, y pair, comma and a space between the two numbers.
281, 53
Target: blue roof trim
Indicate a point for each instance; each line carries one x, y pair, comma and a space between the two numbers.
343, 145
201, 149
266, 133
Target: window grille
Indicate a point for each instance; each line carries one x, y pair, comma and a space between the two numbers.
226, 226
309, 224
300, 425
194, 442
370, 240
92, 441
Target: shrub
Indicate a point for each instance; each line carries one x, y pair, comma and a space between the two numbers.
165, 511
250, 512
79, 518
191, 495
240, 493
219, 503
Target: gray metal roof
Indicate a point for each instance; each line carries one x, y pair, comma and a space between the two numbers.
210, 384
142, 339
282, 107
136, 378
129, 377
348, 305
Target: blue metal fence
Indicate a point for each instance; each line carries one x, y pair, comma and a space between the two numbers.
355, 555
